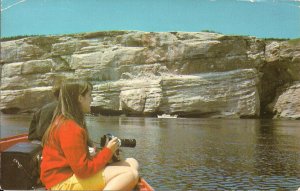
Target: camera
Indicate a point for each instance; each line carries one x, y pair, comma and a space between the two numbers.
122, 143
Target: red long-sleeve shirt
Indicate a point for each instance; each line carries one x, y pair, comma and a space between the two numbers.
69, 155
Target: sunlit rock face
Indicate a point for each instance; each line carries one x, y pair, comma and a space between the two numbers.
217, 94
287, 102
140, 73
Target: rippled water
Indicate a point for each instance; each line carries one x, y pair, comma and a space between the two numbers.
203, 154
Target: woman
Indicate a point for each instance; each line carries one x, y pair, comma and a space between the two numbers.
67, 163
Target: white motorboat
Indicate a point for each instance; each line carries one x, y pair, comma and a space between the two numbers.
167, 116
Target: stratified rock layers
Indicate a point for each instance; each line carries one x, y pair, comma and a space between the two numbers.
221, 94
140, 73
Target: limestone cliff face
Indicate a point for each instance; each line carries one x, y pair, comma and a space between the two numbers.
141, 73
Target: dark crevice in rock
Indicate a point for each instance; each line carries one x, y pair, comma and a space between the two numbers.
12, 110
275, 76
196, 114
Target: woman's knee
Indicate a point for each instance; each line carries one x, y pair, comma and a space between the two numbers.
133, 163
134, 174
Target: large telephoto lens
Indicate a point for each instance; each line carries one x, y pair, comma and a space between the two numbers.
124, 142
128, 142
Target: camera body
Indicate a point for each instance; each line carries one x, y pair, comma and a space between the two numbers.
122, 143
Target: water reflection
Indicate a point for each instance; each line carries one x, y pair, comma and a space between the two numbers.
206, 154
276, 142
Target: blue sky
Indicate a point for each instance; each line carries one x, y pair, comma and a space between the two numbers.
260, 18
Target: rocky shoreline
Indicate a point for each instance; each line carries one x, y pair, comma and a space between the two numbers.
190, 74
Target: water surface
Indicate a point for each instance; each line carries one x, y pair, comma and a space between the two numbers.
202, 154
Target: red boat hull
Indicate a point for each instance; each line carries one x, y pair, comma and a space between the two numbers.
10, 141
144, 186
5, 143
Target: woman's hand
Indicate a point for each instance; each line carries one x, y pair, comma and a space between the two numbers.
113, 144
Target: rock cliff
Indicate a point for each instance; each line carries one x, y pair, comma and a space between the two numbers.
194, 74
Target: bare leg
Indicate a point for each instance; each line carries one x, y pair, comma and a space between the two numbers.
120, 178
130, 162
133, 163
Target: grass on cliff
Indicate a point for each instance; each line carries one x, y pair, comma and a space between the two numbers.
44, 42
276, 39
3, 39
91, 35
294, 42
210, 31
84, 35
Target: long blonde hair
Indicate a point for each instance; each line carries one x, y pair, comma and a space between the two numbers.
68, 107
